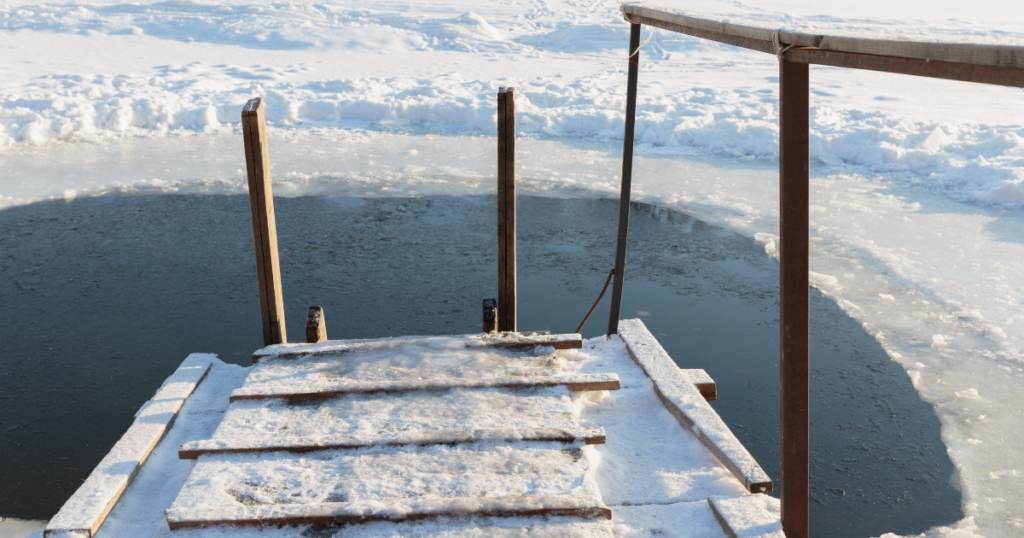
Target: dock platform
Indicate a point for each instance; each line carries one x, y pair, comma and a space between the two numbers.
491, 434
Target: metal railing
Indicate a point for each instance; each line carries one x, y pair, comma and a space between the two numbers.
796, 51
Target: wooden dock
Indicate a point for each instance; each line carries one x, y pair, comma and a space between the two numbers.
441, 435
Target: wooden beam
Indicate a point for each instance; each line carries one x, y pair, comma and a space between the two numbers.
794, 295
499, 340
760, 38
331, 514
84, 513
575, 383
193, 449
490, 315
506, 210
683, 400
633, 68
700, 379
316, 325
264, 224
745, 516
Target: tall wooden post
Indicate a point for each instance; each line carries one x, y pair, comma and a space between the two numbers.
506, 209
793, 292
627, 178
264, 226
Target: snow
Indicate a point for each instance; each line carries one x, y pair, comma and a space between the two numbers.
88, 506
140, 511
916, 183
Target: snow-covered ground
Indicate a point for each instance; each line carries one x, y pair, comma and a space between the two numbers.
918, 184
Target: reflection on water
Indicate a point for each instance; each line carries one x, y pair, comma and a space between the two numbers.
101, 298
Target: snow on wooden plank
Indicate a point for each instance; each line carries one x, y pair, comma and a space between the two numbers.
368, 414
499, 340
227, 483
753, 36
84, 512
700, 379
361, 512
575, 383
685, 402
748, 516
193, 449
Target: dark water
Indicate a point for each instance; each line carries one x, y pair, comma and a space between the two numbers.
101, 298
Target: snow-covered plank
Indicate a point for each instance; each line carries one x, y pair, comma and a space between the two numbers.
478, 340
194, 449
748, 516
82, 515
753, 36
228, 486
685, 402
574, 382
700, 379
366, 511
381, 413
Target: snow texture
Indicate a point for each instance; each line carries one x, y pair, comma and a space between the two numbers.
332, 347
368, 414
648, 457
85, 511
749, 516
141, 509
686, 403
675, 520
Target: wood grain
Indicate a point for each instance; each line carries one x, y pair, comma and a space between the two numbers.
264, 223
575, 383
316, 325
193, 449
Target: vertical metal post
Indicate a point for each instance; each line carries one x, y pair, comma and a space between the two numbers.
627, 178
264, 224
793, 292
506, 209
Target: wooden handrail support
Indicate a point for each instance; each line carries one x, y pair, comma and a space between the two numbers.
507, 209
264, 225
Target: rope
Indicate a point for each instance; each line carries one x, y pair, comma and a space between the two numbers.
644, 43
604, 289
779, 49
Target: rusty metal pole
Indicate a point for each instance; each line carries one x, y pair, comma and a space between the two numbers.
794, 427
627, 178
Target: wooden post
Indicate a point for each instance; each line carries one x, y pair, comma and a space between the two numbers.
627, 178
264, 226
506, 209
490, 315
316, 325
793, 292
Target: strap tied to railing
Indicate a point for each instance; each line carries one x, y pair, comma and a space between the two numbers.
644, 43
780, 49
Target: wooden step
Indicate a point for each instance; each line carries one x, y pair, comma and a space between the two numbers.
575, 382
333, 514
498, 340
194, 449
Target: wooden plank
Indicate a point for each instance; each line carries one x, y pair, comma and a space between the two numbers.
316, 325
746, 517
755, 37
490, 315
506, 210
703, 382
500, 340
330, 514
794, 296
85, 511
575, 382
193, 449
264, 223
683, 400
